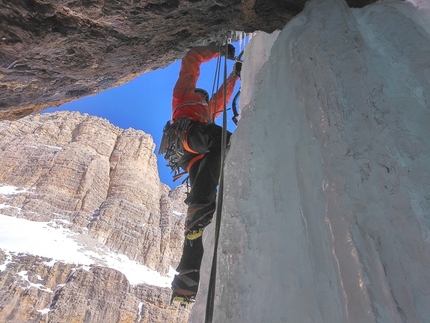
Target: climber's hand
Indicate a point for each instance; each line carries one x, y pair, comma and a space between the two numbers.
237, 68
230, 52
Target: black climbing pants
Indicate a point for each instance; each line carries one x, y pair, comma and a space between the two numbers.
204, 177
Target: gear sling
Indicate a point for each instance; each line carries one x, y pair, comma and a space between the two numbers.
174, 146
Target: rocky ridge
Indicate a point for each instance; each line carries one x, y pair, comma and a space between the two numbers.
100, 184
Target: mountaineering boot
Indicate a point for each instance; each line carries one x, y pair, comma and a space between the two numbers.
184, 287
198, 217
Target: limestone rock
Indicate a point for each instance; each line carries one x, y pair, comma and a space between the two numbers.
32, 290
101, 183
52, 52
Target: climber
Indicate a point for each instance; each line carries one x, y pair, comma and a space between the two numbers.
192, 142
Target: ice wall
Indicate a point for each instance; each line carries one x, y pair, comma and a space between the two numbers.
326, 211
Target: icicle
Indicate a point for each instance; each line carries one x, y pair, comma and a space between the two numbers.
238, 33
240, 41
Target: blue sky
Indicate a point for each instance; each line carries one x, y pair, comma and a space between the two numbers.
145, 103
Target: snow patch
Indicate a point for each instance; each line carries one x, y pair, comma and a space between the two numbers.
24, 277
48, 263
11, 190
44, 311
139, 311
48, 239
177, 213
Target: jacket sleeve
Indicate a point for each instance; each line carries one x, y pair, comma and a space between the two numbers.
190, 71
216, 103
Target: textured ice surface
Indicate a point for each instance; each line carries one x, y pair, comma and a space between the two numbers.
326, 212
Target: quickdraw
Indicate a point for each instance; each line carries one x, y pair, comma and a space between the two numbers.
236, 97
234, 107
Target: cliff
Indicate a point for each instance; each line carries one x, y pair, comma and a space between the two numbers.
52, 52
98, 186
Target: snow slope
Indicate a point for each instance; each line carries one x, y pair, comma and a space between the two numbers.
326, 214
52, 240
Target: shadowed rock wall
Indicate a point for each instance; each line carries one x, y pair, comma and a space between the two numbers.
52, 52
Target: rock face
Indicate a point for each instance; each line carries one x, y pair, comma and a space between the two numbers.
326, 205
52, 52
32, 290
101, 184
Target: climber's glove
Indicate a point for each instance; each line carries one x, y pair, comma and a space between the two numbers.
230, 52
237, 68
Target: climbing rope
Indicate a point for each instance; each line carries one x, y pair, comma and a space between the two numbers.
215, 85
212, 278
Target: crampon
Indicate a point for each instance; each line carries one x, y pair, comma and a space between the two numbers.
199, 221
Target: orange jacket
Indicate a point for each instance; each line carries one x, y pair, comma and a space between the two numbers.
188, 103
